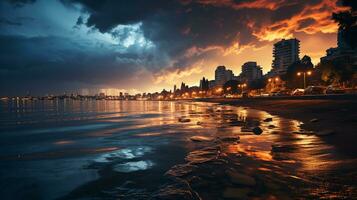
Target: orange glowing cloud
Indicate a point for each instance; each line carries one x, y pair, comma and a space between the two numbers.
257, 4
311, 20
312, 23
267, 4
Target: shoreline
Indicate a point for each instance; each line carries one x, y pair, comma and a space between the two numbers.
317, 114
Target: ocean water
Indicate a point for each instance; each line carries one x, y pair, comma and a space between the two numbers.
66, 149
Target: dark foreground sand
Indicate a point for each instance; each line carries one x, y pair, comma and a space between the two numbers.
334, 114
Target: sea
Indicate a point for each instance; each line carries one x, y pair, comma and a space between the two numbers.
106, 149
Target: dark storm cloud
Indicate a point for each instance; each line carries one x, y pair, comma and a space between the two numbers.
181, 33
20, 3
4, 21
79, 22
46, 61
168, 20
178, 25
106, 14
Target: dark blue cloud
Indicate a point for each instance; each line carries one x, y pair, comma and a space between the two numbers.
20, 3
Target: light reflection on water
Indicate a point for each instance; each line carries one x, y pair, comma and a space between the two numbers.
133, 166
128, 153
121, 138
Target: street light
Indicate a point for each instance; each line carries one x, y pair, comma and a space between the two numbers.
304, 73
242, 86
219, 90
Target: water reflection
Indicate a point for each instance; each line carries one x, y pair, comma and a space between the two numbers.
127, 153
133, 166
280, 154
115, 138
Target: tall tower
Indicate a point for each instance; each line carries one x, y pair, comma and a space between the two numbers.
251, 71
341, 41
220, 75
285, 53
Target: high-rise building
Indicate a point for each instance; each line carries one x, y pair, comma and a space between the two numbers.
211, 83
343, 53
229, 75
342, 45
285, 53
251, 71
204, 84
222, 75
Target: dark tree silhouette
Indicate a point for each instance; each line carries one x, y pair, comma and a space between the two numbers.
347, 21
291, 78
336, 72
257, 84
233, 85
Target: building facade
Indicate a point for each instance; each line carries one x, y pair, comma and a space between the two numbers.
285, 53
222, 75
342, 53
251, 71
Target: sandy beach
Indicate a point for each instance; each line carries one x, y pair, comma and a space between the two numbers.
337, 114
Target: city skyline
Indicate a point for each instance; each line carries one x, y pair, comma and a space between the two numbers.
178, 99
132, 55
248, 71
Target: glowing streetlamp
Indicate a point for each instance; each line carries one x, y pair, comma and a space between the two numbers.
304, 74
219, 90
242, 86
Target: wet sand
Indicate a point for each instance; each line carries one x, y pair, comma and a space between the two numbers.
338, 115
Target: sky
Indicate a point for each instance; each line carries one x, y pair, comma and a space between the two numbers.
86, 46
